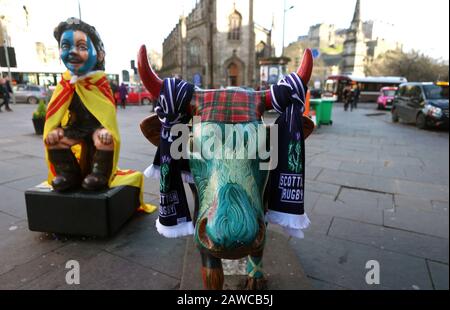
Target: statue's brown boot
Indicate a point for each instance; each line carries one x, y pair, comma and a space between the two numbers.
101, 171
68, 172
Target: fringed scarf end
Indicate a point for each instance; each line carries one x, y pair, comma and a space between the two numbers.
180, 230
292, 224
154, 172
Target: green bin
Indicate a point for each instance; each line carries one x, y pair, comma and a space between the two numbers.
316, 105
326, 111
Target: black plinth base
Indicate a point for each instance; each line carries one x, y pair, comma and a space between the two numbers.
81, 213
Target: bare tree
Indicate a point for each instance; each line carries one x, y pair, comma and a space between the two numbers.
413, 65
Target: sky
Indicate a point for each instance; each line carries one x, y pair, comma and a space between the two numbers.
125, 25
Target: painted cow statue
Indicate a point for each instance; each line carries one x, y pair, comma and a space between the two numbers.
232, 194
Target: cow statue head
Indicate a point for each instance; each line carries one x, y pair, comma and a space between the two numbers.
230, 189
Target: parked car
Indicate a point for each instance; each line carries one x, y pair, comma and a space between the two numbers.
425, 104
30, 93
386, 98
137, 95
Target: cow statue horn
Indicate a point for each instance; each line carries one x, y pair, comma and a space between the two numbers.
306, 68
149, 78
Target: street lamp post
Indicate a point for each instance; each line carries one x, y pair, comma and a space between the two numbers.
284, 23
79, 9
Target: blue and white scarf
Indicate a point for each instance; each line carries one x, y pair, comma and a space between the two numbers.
287, 182
174, 216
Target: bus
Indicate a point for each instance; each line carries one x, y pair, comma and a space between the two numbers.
370, 86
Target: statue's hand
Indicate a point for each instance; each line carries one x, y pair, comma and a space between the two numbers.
105, 137
55, 136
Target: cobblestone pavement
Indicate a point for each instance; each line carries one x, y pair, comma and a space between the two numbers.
375, 191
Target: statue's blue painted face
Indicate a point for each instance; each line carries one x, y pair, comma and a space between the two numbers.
77, 52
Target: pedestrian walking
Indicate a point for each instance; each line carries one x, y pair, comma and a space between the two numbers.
123, 95
348, 97
356, 95
5, 91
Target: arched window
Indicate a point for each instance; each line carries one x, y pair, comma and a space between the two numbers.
194, 52
234, 32
261, 50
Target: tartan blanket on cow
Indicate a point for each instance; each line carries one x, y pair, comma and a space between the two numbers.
229, 106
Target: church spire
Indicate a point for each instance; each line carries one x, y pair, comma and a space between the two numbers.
357, 14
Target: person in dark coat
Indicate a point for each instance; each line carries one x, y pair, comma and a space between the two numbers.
123, 95
5, 91
348, 97
356, 95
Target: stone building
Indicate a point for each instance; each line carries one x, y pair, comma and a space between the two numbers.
218, 44
325, 65
324, 36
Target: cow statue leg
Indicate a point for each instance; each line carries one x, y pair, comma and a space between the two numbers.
212, 272
256, 280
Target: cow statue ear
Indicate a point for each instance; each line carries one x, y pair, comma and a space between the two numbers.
308, 126
151, 128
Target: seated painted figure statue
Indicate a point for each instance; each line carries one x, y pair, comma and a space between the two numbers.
81, 133
81, 112
234, 196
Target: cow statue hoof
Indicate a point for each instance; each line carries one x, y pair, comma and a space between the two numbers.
256, 284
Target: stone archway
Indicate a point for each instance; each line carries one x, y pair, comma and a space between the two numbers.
234, 72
